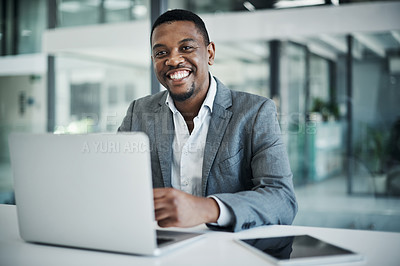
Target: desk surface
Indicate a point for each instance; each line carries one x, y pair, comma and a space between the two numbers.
216, 248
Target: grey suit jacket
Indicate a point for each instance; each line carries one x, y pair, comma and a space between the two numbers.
245, 161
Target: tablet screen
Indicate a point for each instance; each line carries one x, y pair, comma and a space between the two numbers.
295, 247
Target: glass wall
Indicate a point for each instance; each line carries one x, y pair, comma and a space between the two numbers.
89, 12
243, 66
32, 22
292, 104
75, 13
319, 80
376, 114
325, 143
22, 23
2, 33
93, 95
353, 186
23, 104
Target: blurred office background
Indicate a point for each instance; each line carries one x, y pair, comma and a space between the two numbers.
332, 68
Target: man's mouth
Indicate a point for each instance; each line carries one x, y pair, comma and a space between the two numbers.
178, 75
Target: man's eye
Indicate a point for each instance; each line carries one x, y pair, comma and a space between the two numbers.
160, 53
187, 48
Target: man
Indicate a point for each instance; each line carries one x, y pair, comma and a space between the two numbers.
216, 154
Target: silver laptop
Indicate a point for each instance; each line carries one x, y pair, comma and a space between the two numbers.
89, 191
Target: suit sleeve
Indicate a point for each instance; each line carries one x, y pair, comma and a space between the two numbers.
271, 199
126, 124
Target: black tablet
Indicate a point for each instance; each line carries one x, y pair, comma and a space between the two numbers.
299, 250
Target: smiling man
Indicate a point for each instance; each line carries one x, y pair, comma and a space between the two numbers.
216, 154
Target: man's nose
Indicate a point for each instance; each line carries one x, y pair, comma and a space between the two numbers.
174, 59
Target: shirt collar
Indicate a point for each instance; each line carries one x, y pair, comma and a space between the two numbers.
208, 101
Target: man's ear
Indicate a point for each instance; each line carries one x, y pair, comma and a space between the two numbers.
211, 53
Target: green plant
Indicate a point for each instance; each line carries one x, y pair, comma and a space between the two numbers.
372, 149
325, 108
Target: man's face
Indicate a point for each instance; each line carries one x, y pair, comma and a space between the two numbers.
181, 59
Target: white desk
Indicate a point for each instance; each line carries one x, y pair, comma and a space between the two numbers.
217, 248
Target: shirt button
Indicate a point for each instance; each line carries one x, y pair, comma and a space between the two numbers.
185, 183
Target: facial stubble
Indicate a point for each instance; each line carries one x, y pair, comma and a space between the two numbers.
182, 96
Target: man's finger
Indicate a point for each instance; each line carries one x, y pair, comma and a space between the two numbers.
161, 192
158, 193
161, 203
168, 222
161, 214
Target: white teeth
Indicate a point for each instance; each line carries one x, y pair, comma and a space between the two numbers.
179, 75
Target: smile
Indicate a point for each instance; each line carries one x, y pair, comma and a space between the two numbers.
179, 75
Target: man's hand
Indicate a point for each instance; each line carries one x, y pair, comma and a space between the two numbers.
175, 208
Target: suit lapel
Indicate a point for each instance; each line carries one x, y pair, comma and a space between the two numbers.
164, 128
220, 118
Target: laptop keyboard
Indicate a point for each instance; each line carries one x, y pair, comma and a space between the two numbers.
162, 240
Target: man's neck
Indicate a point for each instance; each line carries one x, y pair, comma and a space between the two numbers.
190, 108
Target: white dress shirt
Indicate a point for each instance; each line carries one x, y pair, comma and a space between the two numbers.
188, 151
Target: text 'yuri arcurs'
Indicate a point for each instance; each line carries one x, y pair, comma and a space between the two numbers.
114, 147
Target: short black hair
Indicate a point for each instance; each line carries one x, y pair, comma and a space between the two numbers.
182, 15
